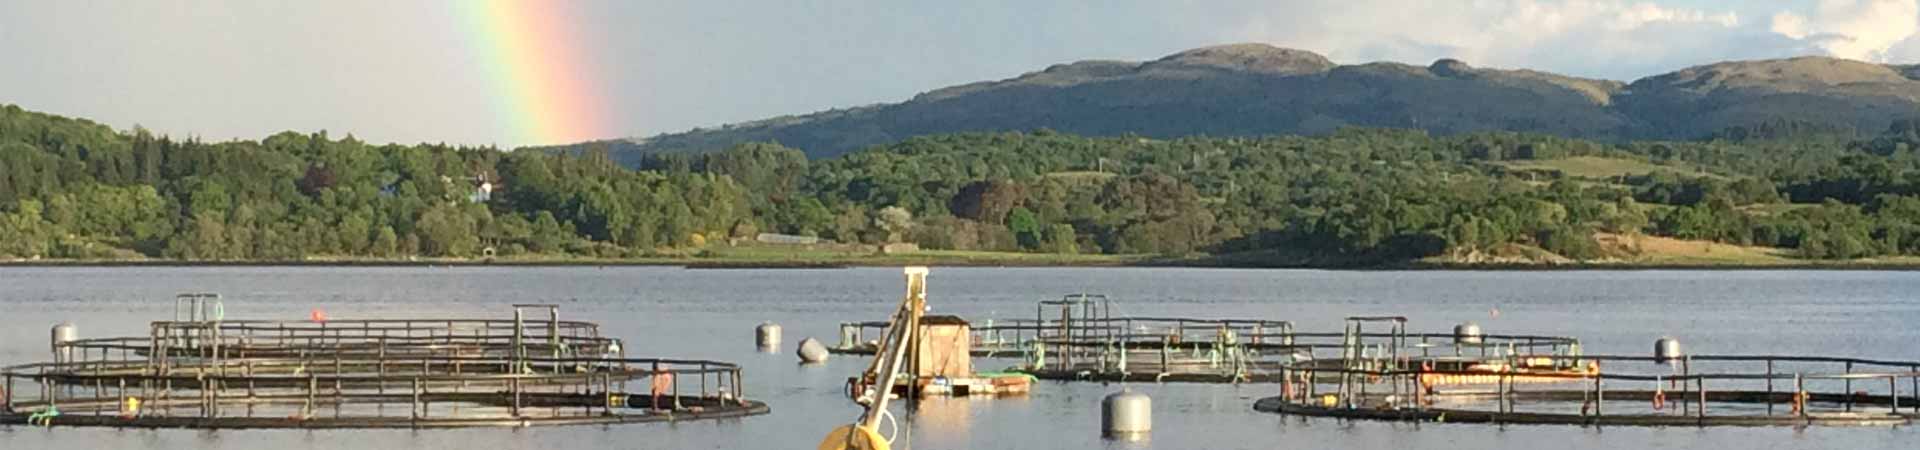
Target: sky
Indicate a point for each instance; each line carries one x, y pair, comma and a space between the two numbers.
508, 74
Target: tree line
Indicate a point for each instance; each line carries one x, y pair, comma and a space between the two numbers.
71, 188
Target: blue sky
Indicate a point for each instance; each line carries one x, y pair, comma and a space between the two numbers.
395, 70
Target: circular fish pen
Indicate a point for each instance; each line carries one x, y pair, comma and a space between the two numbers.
1666, 389
1078, 338
199, 371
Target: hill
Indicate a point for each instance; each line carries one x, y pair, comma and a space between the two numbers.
1257, 89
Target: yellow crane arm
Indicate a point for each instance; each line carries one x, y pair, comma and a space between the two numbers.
902, 332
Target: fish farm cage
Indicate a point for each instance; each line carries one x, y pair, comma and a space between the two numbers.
1078, 338
1373, 379
201, 371
1375, 369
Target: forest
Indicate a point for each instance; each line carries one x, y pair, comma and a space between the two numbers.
75, 189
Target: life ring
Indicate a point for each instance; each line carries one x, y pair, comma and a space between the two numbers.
1659, 400
1800, 402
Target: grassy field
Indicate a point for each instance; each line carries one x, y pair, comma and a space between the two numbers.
1598, 167
1772, 209
1654, 250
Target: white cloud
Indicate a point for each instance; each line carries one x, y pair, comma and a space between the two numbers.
1621, 39
1857, 29
1613, 38
1641, 14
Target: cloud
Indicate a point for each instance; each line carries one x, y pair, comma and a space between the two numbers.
1610, 38
1857, 29
1619, 39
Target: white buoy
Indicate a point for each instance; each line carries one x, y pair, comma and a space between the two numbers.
767, 335
1467, 333
811, 351
63, 334
1126, 414
1666, 350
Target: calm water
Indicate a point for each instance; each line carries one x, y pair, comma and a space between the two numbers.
710, 314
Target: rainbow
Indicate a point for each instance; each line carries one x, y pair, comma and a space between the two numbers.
545, 85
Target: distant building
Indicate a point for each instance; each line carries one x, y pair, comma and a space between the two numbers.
482, 193
786, 239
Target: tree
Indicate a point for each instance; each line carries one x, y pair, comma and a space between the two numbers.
318, 177
1026, 228
987, 201
444, 231
547, 235
385, 242
896, 221
356, 233
1060, 239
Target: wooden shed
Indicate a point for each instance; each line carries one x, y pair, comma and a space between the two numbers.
946, 346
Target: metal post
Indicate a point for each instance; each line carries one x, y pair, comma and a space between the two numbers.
1166, 346
313, 386
382, 363
1769, 386
553, 333
1848, 391
1799, 389
416, 399
1599, 395
1701, 412
1686, 370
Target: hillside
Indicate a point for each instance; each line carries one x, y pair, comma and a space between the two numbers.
1257, 89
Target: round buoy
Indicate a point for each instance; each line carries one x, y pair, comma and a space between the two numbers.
1666, 350
130, 408
767, 334
1467, 333
63, 334
1126, 413
853, 437
811, 351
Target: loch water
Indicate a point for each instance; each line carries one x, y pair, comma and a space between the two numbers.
710, 314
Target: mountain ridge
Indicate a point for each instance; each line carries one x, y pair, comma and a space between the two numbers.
1259, 89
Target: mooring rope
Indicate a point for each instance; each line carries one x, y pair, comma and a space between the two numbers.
44, 418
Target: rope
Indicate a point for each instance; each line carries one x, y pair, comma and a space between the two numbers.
1039, 355
887, 417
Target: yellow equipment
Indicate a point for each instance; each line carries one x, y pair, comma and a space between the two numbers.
877, 387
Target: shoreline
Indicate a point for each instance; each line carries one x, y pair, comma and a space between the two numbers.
735, 264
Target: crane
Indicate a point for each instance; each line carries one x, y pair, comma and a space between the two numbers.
876, 387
